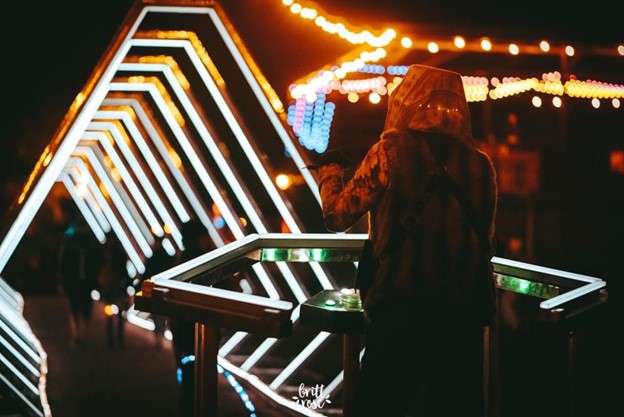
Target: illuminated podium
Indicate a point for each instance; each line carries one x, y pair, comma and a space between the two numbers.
174, 293
340, 311
532, 342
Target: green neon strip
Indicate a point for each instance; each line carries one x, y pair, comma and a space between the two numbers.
306, 255
526, 287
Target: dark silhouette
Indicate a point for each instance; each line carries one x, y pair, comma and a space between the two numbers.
431, 196
113, 282
78, 267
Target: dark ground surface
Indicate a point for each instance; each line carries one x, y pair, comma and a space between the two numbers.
95, 381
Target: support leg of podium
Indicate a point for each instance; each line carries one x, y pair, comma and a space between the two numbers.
206, 349
351, 364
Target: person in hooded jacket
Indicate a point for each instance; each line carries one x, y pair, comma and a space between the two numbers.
431, 198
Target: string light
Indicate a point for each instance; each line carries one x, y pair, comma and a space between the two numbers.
616, 103
595, 103
620, 49
336, 28
374, 98
406, 42
514, 49
544, 46
459, 42
433, 47
557, 101
283, 181
486, 45
353, 97
287, 2
536, 101
569, 50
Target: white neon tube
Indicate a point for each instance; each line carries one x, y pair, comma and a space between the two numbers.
130, 204
215, 152
97, 211
263, 388
335, 383
253, 83
299, 359
231, 343
48, 178
197, 206
101, 137
571, 295
203, 174
149, 157
267, 344
134, 165
116, 198
134, 189
153, 164
110, 216
84, 210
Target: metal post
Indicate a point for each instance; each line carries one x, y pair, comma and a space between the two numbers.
571, 368
351, 365
206, 348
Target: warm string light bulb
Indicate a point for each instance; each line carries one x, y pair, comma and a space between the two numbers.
514, 49
544, 46
406, 42
536, 101
557, 101
459, 42
433, 47
486, 45
569, 50
595, 103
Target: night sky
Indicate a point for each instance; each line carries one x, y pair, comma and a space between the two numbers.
49, 48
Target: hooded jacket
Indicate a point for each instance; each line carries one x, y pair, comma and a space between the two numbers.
427, 249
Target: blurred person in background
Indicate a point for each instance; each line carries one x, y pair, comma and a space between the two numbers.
113, 282
426, 276
78, 266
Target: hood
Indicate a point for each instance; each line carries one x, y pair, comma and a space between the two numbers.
430, 100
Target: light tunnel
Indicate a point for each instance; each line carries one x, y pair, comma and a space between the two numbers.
158, 138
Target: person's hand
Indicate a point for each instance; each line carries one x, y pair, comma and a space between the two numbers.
331, 157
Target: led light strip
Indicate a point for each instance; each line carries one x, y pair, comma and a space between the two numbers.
110, 215
123, 175
66, 147
134, 189
214, 150
120, 204
266, 390
123, 193
115, 132
175, 171
152, 163
253, 83
299, 360
84, 210
96, 210
203, 174
235, 127
138, 140
338, 380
